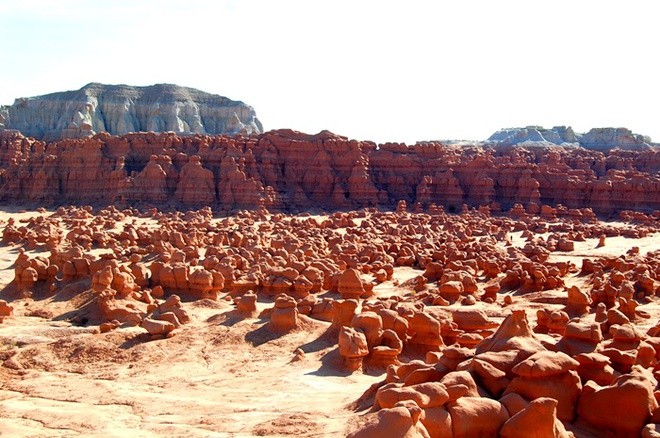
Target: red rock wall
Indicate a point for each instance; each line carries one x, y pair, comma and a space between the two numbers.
290, 170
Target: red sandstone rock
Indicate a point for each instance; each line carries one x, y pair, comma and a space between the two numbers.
156, 327
371, 325
352, 347
247, 303
5, 310
424, 330
399, 421
513, 334
476, 416
284, 316
545, 364
578, 301
343, 312
539, 418
350, 285
224, 171
631, 393
108, 326
310, 256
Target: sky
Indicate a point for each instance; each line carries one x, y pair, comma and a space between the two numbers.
370, 70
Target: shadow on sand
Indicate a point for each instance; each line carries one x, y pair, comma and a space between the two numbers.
332, 365
262, 335
140, 338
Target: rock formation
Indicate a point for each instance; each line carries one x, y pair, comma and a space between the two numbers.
288, 170
456, 342
600, 139
120, 109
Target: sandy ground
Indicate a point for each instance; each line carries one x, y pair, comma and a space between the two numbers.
217, 377
212, 379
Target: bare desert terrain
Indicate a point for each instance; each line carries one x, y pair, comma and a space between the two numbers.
230, 372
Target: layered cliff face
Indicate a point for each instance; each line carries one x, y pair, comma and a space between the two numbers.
120, 109
556, 135
602, 139
294, 171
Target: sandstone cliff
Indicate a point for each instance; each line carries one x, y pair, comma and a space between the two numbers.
295, 171
602, 139
120, 109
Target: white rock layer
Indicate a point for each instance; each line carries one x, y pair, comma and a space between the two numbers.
120, 109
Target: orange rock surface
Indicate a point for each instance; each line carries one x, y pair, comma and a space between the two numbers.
290, 170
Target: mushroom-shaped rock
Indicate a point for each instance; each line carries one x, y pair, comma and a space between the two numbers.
424, 330
473, 320
538, 419
352, 347
401, 421
545, 364
477, 417
371, 325
284, 316
578, 301
389, 341
596, 367
343, 312
632, 394
425, 395
513, 334
564, 387
580, 337
349, 284
201, 284
246, 304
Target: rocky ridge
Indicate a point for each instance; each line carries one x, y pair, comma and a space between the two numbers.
601, 139
120, 109
291, 171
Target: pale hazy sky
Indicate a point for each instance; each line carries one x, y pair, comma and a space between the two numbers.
380, 70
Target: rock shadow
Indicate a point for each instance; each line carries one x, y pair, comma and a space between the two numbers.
365, 403
139, 338
231, 318
326, 340
87, 314
262, 335
331, 365
11, 293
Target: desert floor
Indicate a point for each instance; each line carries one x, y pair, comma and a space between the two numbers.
218, 376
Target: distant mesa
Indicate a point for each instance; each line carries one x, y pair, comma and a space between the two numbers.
601, 139
122, 109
